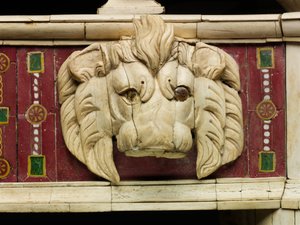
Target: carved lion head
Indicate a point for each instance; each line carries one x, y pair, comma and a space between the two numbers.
157, 95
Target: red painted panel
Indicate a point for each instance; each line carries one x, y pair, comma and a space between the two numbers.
255, 143
24, 82
46, 134
65, 167
278, 143
68, 167
47, 82
239, 53
278, 77
277, 126
277, 140
48, 146
24, 147
251, 94
255, 80
9, 81
9, 148
8, 136
149, 168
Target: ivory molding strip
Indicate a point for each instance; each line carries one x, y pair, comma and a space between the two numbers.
213, 28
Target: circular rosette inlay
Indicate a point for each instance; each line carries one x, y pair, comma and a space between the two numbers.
4, 63
36, 114
266, 110
4, 168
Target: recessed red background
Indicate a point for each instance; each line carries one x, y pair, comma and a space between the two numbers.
61, 165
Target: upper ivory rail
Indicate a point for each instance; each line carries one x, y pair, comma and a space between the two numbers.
86, 29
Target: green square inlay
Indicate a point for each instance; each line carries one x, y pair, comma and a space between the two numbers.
35, 62
265, 58
267, 161
4, 115
36, 165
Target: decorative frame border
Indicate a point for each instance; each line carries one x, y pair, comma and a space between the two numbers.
258, 50
29, 165
7, 108
260, 161
42, 62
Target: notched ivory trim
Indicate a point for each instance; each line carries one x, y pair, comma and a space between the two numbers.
213, 28
220, 194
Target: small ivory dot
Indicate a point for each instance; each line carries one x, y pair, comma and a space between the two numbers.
266, 82
36, 132
266, 90
267, 134
266, 148
265, 70
35, 153
36, 139
36, 95
266, 76
267, 97
36, 147
266, 141
35, 81
35, 89
266, 127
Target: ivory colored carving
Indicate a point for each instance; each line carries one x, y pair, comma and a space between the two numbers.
157, 94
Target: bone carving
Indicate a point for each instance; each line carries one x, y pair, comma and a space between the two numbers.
157, 94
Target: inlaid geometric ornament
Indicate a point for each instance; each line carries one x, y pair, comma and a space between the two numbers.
36, 166
267, 161
35, 62
265, 58
36, 114
4, 168
4, 63
266, 110
4, 115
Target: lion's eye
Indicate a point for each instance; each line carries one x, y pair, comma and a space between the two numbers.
181, 93
131, 95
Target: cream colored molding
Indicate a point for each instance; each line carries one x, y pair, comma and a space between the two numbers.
90, 18
260, 28
223, 194
291, 24
291, 196
25, 19
239, 26
239, 30
112, 89
45, 31
131, 7
293, 111
241, 18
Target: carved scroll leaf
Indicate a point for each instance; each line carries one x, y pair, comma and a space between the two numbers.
70, 128
234, 135
218, 110
93, 114
83, 95
209, 125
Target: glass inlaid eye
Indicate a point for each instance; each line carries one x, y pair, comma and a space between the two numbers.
131, 95
181, 93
